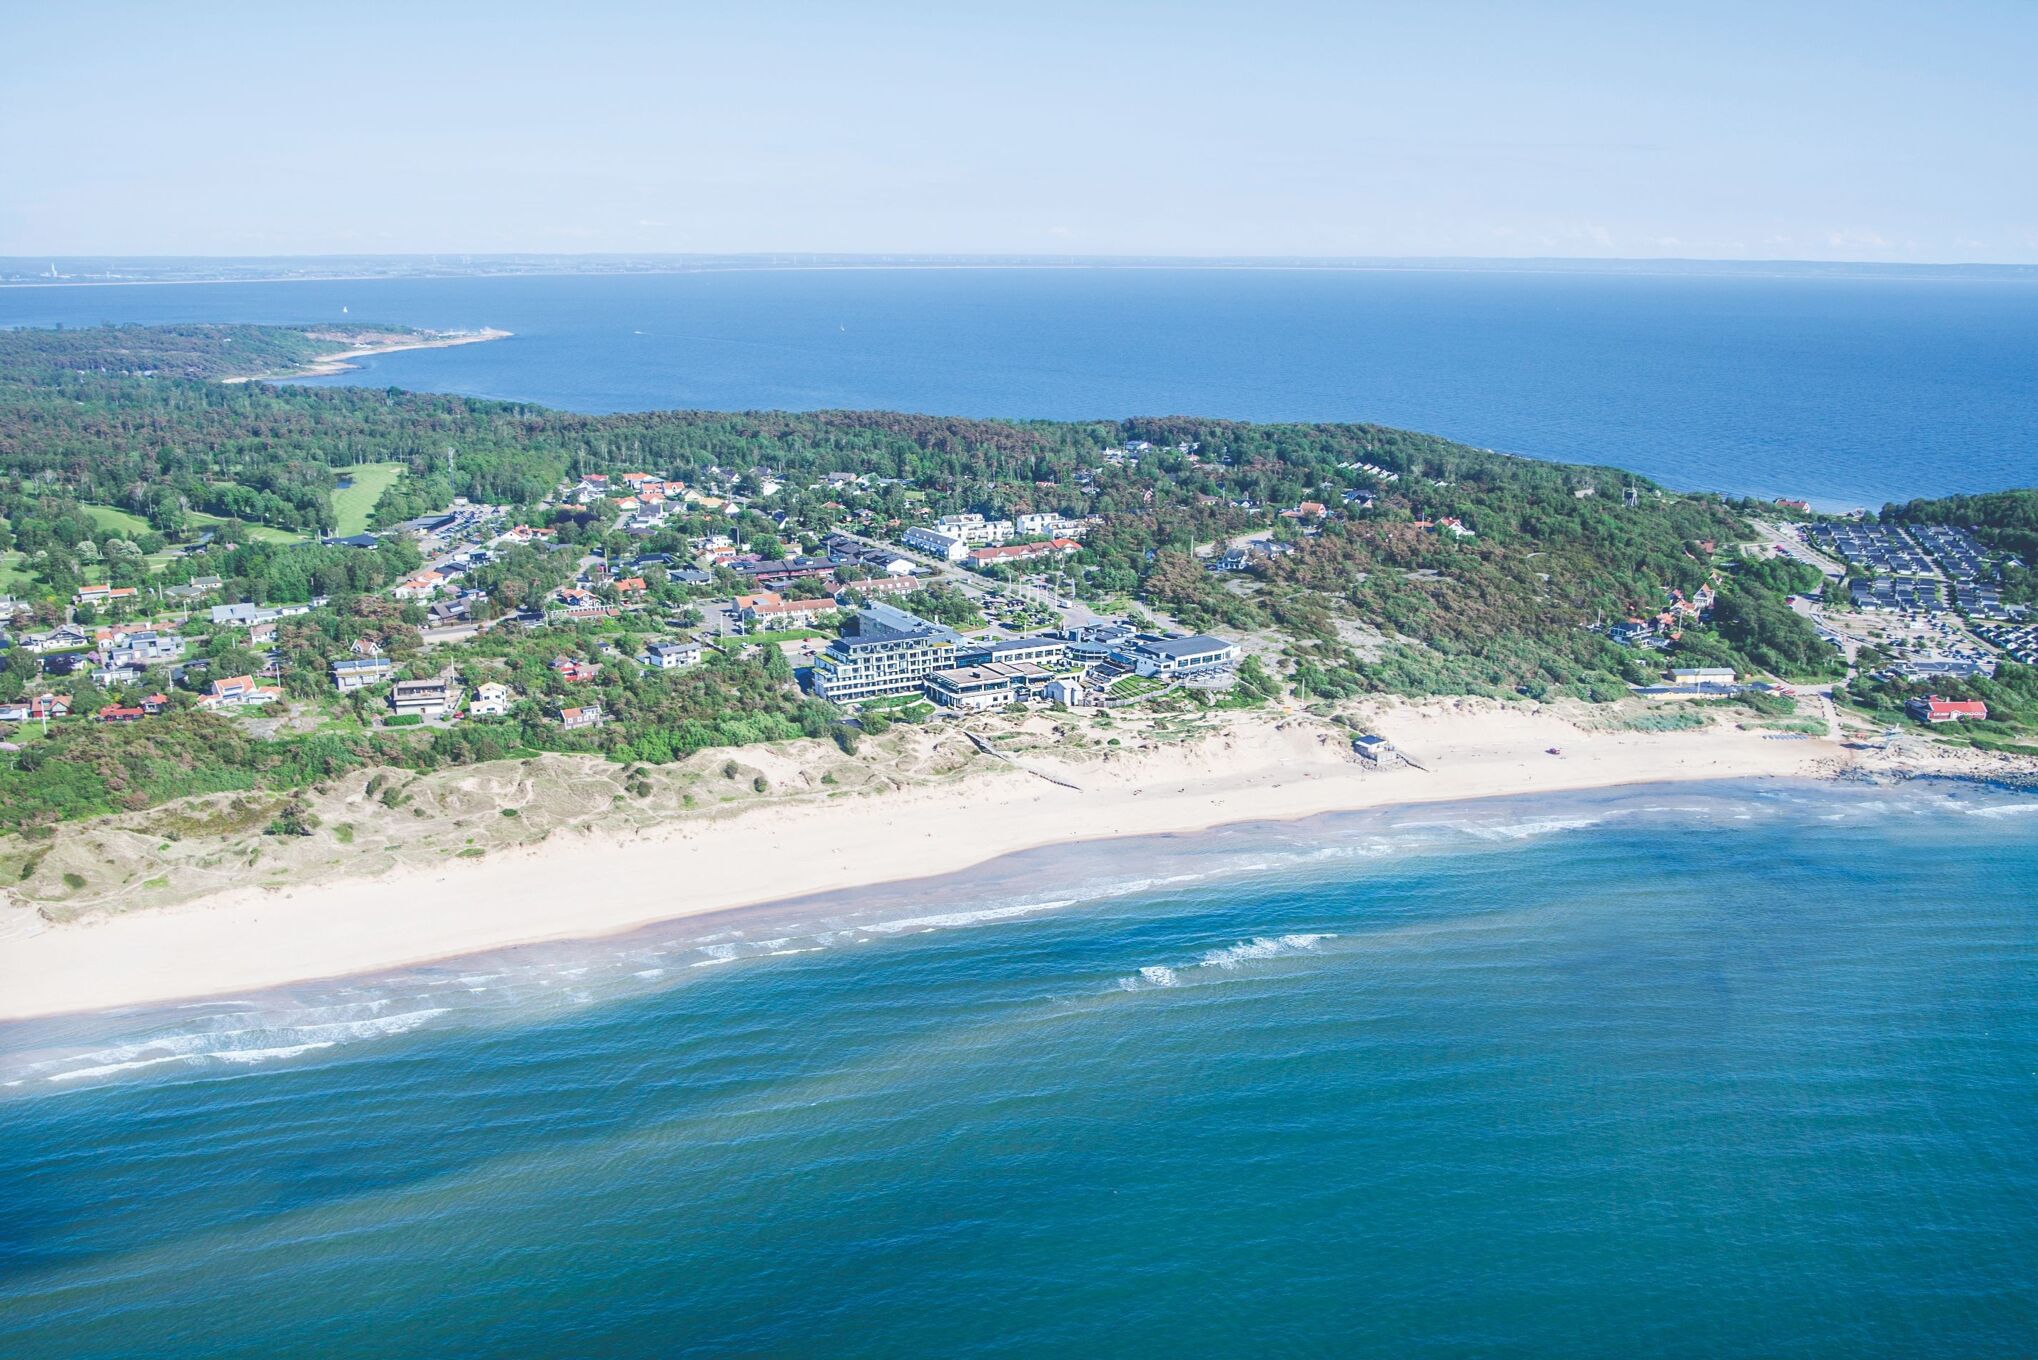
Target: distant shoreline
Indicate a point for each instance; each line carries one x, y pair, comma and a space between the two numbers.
342, 362
1848, 271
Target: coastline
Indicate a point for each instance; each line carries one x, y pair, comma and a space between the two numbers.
342, 362
591, 883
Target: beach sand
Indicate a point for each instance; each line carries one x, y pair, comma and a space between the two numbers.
588, 882
343, 361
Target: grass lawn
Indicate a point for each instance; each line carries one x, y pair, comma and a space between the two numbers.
13, 579
352, 504
889, 701
784, 635
1134, 686
108, 520
254, 533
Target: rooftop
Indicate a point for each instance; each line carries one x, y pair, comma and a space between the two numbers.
877, 623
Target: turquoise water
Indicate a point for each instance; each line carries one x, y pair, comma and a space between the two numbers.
1731, 1069
1849, 391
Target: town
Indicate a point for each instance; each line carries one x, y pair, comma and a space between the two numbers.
545, 586
839, 617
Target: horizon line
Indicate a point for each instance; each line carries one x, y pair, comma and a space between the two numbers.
1106, 257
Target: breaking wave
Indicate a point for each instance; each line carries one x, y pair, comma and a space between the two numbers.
1228, 959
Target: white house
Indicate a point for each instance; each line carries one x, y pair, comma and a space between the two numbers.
491, 700
666, 656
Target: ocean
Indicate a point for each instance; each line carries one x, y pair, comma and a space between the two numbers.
1733, 1068
1849, 391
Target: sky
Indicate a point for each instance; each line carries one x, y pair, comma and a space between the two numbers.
1716, 130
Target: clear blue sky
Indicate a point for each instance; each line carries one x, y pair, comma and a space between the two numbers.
1859, 131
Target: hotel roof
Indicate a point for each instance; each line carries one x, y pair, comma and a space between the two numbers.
876, 623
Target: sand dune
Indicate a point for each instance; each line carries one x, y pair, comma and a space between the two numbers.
1252, 768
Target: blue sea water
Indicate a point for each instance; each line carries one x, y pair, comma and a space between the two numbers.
1848, 391
1732, 1069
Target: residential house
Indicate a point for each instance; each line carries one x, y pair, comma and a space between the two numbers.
41, 708
422, 586
1631, 632
238, 691
62, 638
574, 671
667, 656
145, 648
426, 698
587, 715
491, 700
246, 615
359, 672
104, 594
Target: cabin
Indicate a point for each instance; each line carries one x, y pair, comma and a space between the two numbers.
1374, 750
587, 715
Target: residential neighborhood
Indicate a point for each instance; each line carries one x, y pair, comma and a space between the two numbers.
854, 592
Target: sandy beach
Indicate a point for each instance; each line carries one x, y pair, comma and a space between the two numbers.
590, 882
343, 361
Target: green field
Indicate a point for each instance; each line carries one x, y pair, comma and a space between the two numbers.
352, 505
118, 522
783, 635
115, 521
13, 580
254, 533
